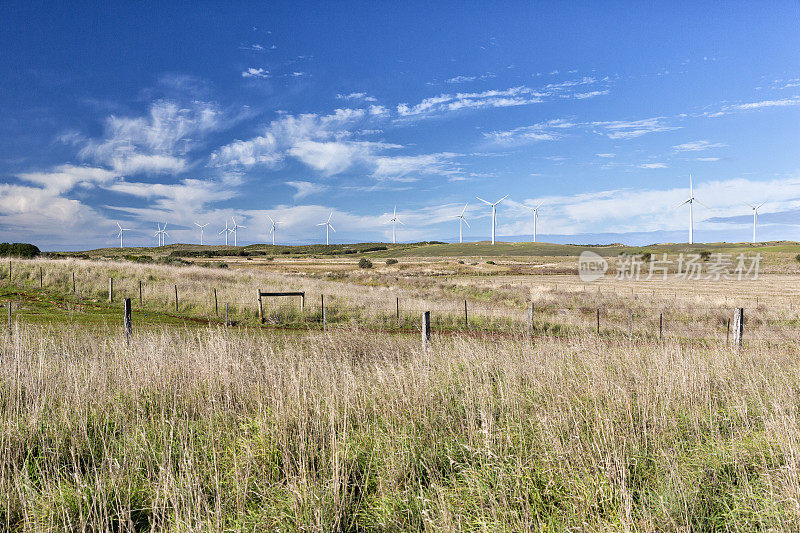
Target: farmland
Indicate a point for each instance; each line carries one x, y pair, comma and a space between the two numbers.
204, 420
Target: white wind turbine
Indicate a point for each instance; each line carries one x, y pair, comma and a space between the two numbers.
535, 211
234, 228
394, 220
201, 226
494, 211
328, 226
755, 209
461, 220
225, 231
272, 228
160, 233
691, 200
121, 232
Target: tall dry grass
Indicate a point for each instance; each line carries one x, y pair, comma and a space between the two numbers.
214, 429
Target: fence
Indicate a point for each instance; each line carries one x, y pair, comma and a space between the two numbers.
635, 321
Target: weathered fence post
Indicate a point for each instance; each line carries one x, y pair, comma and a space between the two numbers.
738, 326
216, 305
110, 290
141, 298
227, 321
126, 319
41, 278
661, 326
530, 321
302, 302
397, 309
728, 331
73, 283
176, 298
426, 328
598, 321
9, 270
466, 316
260, 307
324, 318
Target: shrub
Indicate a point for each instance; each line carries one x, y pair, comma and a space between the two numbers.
646, 257
364, 263
797, 258
461, 262
705, 255
19, 249
391, 261
490, 262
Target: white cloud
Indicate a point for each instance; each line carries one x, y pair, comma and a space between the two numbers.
64, 178
550, 130
708, 159
515, 96
329, 157
401, 167
357, 96
606, 156
652, 165
259, 73
630, 129
784, 102
467, 79
591, 94
306, 188
697, 146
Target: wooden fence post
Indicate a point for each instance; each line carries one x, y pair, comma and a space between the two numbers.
466, 316
73, 283
227, 320
738, 326
126, 319
397, 309
661, 326
10, 333
41, 278
216, 305
9, 270
176, 298
728, 331
324, 318
302, 302
530, 321
260, 308
110, 290
426, 328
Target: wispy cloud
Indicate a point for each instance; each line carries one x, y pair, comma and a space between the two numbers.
653, 165
260, 73
515, 96
697, 146
467, 79
630, 129
550, 130
304, 189
357, 96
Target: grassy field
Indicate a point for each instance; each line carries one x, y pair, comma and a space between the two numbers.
193, 425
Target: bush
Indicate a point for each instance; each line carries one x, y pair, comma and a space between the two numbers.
364, 263
705, 255
391, 261
797, 258
490, 262
19, 249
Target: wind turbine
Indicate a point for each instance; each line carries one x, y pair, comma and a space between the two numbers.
225, 231
535, 211
394, 221
461, 220
494, 211
233, 230
691, 200
160, 233
123, 230
201, 226
157, 234
755, 217
273, 225
328, 226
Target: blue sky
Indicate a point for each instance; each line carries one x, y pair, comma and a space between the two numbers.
139, 113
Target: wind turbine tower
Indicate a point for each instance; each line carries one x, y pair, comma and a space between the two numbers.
691, 200
225, 231
461, 220
494, 212
394, 220
201, 226
535, 211
328, 226
273, 225
234, 228
755, 217
121, 232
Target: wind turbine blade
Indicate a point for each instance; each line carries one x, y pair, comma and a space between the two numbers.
750, 205
540, 204
484, 201
400, 221
394, 214
330, 216
759, 206
464, 210
120, 227
683, 203
332, 228
223, 231
465, 222
270, 219
501, 199
701, 203
322, 224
